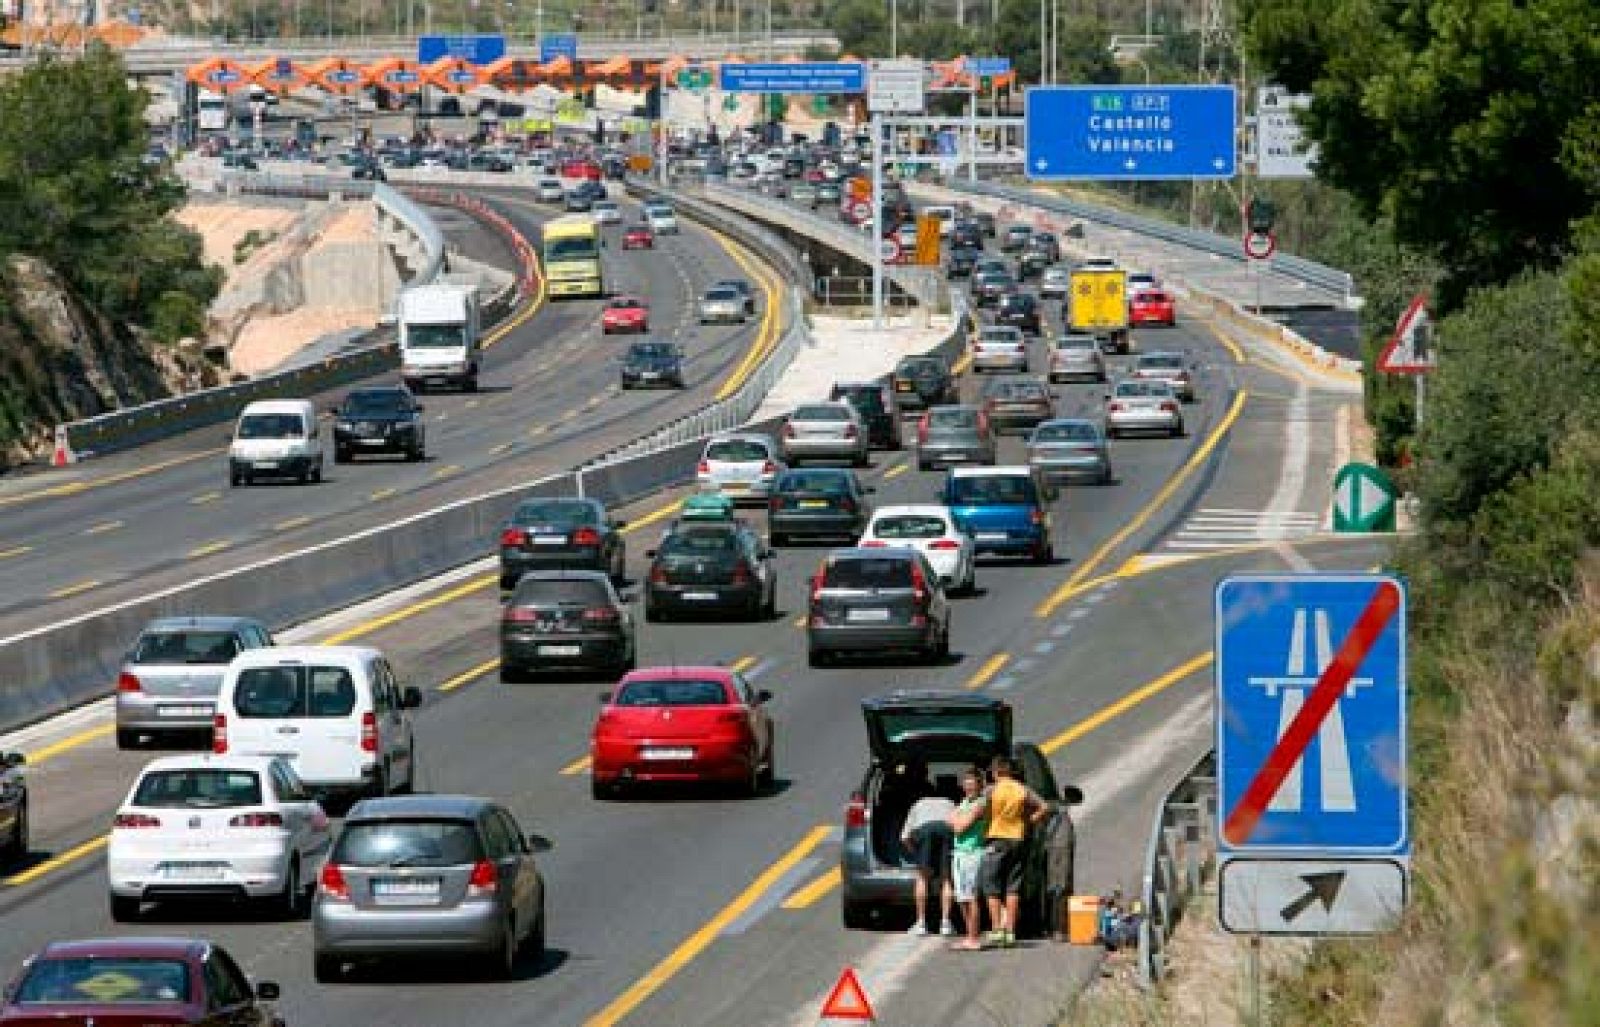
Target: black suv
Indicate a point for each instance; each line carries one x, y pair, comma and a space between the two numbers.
874, 601
565, 620
923, 381
820, 502
1019, 310
875, 402
711, 567
920, 742
559, 534
967, 233
381, 419
650, 362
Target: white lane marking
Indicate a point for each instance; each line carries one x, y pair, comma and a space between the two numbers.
1092, 598
1024, 665
1045, 648
1063, 630
1296, 456
1292, 557
1003, 684
1079, 613
786, 883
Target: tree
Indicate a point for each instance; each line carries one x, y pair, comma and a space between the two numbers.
862, 27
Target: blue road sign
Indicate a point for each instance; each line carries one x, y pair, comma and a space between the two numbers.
479, 50
1311, 699
551, 47
1130, 132
818, 77
987, 65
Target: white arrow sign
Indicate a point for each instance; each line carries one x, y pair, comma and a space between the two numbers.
1130, 163
1311, 897
1359, 496
1041, 164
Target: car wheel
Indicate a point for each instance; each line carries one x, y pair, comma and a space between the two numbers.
504, 965
600, 792
769, 606
316, 472
235, 479
779, 539
327, 969
124, 909
857, 915
924, 466
1177, 430
533, 945
1046, 553
286, 904
1105, 475
969, 587
512, 674
864, 460
653, 615
417, 454
1111, 432
769, 771
472, 384
817, 658
17, 847
380, 787
341, 456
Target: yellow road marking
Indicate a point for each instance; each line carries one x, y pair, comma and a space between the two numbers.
72, 855
569, 414
578, 766
766, 335
210, 547
698, 942
962, 364
799, 622
538, 429
1227, 343
502, 447
658, 514
81, 738
808, 896
103, 527
73, 487
1071, 586
72, 590
6, 554
896, 471
381, 494
1128, 702
396, 616
992, 666
446, 470
205, 497
291, 524
472, 674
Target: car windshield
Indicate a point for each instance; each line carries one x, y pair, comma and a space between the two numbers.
672, 693
201, 647
820, 413
570, 248
909, 526
1161, 362
271, 426
815, 481
435, 336
556, 513
605, 205
867, 572
1071, 431
104, 981
560, 592
652, 350
297, 691
699, 542
408, 843
738, 287
993, 488
736, 451
361, 403
200, 788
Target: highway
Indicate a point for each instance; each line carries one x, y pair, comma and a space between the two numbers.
695, 908
116, 528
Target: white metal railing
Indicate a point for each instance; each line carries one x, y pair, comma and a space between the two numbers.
1181, 853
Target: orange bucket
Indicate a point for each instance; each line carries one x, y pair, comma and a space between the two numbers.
1083, 919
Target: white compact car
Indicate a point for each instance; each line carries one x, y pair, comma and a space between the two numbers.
206, 827
661, 219
741, 466
606, 212
930, 528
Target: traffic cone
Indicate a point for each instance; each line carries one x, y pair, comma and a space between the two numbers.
63, 454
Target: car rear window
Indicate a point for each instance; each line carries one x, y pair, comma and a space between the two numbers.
105, 981
1075, 342
1161, 361
1080, 431
959, 418
1006, 335
275, 692
1159, 390
408, 843
534, 591
200, 788
736, 451
820, 413
919, 368
1151, 297
672, 693
693, 542
911, 725
867, 572
566, 515
862, 397
190, 647
813, 481
909, 526
993, 488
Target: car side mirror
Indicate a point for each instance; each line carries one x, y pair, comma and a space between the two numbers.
420, 408
411, 698
619, 524
1072, 795
268, 991
763, 696
537, 843
13, 759
605, 697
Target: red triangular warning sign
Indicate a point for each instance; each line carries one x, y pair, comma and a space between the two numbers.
1410, 350
847, 1000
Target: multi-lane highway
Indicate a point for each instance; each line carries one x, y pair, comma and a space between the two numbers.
693, 908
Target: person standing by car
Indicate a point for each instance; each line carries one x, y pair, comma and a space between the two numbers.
970, 827
927, 835
1012, 808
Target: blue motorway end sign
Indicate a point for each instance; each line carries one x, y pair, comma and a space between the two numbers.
825, 77
1130, 132
987, 66
478, 50
551, 47
1311, 729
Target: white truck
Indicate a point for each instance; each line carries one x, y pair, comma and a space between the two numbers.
439, 332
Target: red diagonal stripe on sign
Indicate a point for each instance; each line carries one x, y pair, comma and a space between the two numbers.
1242, 820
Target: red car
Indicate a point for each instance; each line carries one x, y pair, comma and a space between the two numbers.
683, 724
625, 314
582, 169
1152, 307
140, 981
639, 237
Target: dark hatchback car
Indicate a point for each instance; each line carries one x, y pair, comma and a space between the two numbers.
967, 233
709, 567
1032, 264
920, 382
1019, 310
652, 363
1018, 405
920, 741
962, 260
989, 286
875, 402
875, 601
561, 620
386, 419
823, 502
137, 981
561, 534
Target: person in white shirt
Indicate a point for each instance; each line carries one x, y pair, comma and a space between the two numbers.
929, 838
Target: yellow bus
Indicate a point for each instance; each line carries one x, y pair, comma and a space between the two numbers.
572, 257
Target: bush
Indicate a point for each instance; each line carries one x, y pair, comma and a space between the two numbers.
177, 315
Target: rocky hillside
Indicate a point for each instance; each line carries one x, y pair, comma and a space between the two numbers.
60, 361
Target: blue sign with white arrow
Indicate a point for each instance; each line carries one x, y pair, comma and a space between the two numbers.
479, 50
1311, 728
817, 77
1131, 132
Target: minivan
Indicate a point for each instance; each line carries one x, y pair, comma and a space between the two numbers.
337, 713
276, 438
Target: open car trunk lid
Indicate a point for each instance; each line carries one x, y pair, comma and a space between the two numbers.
934, 726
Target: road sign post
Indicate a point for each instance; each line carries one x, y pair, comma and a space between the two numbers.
1311, 753
1410, 349
1130, 133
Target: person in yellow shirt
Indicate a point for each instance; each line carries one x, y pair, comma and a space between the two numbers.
1012, 808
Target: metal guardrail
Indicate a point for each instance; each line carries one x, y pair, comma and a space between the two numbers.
1180, 855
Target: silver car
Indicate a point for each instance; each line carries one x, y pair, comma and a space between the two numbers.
1077, 356
825, 431
1054, 281
1143, 405
170, 678
722, 304
606, 212
549, 190
954, 434
999, 348
1070, 447
741, 466
1171, 368
446, 874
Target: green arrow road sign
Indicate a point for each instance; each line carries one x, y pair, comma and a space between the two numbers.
694, 78
1363, 499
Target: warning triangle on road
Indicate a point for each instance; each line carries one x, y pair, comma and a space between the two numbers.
1410, 350
848, 1000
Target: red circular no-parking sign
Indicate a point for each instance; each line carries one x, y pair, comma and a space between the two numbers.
1259, 245
862, 210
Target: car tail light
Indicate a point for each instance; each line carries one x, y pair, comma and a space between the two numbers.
788, 431
922, 430
849, 431
944, 544
847, 504
658, 575
602, 615
483, 880
1117, 408
332, 884
128, 683
769, 468
1169, 407
919, 584
855, 811
219, 733
369, 732
816, 586
873, 543
741, 573
257, 820
517, 615
586, 537
983, 422
919, 620
512, 537
703, 467
125, 821
774, 504
1035, 517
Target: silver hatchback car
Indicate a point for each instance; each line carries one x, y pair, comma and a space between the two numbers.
722, 304
1070, 447
1055, 281
825, 431
1077, 356
170, 678
999, 348
429, 874
741, 466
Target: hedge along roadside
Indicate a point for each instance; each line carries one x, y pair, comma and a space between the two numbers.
149, 422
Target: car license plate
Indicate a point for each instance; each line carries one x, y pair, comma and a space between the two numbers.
813, 504
700, 597
193, 871
549, 540
650, 376
991, 536
405, 887
870, 614
560, 650
266, 465
183, 711
372, 442
902, 386
666, 754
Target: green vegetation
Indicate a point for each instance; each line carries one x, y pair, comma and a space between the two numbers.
75, 192
252, 241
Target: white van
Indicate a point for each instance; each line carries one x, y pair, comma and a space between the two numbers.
439, 329
335, 712
276, 438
